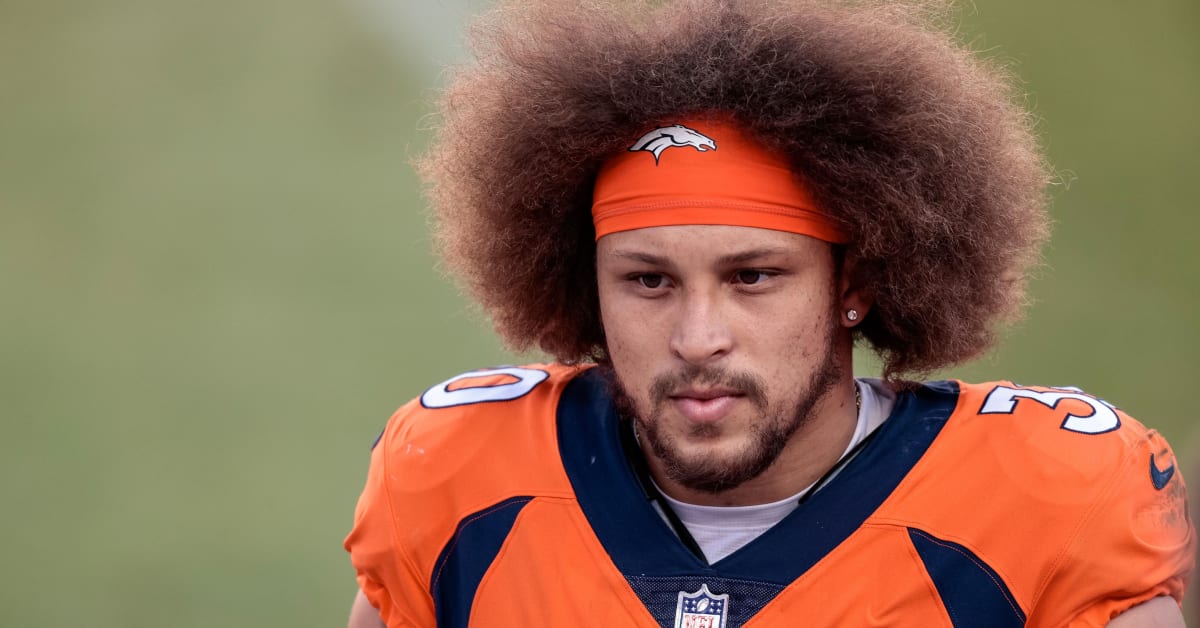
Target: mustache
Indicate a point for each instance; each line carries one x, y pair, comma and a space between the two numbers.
744, 383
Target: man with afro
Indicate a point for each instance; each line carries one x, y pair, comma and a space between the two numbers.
698, 208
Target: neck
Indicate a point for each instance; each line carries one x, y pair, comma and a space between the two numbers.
809, 453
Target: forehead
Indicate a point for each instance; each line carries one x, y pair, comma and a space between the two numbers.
703, 242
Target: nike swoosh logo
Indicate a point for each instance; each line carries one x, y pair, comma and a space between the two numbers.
1160, 478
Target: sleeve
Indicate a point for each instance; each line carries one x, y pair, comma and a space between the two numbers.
1137, 542
385, 574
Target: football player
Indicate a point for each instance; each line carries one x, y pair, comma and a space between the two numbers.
698, 208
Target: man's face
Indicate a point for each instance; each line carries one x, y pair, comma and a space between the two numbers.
722, 340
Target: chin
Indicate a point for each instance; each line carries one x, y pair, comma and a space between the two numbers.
711, 456
715, 458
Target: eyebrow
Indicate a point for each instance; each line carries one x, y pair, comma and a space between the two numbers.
725, 260
639, 256
750, 256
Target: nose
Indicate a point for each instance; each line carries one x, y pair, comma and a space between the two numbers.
701, 335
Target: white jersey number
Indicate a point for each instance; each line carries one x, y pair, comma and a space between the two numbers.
441, 396
1103, 418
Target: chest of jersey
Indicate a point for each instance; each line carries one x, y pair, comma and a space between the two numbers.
551, 571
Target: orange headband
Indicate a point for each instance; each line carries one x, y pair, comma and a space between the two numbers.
704, 172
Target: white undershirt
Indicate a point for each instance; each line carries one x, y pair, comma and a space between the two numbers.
722, 530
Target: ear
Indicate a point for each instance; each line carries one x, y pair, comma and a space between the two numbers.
853, 302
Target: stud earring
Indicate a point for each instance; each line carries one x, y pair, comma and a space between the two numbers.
852, 315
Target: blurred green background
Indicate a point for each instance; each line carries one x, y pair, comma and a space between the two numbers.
216, 280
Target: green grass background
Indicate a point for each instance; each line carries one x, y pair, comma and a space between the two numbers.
216, 281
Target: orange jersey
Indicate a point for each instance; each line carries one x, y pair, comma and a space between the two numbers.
504, 498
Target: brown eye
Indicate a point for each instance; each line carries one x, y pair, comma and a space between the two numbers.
650, 281
749, 277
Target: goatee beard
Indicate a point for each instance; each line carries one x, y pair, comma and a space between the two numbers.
770, 433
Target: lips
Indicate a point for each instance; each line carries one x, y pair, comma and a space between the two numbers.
705, 406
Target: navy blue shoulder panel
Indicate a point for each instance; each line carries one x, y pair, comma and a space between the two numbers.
973, 593
467, 556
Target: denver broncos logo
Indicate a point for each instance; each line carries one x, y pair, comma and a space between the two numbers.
658, 140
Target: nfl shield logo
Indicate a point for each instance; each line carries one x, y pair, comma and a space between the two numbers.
701, 609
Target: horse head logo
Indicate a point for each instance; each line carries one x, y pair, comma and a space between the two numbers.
658, 140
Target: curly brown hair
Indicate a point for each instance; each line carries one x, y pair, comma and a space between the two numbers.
911, 142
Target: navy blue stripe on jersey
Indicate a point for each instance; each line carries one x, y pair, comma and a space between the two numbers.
641, 544
467, 556
972, 592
